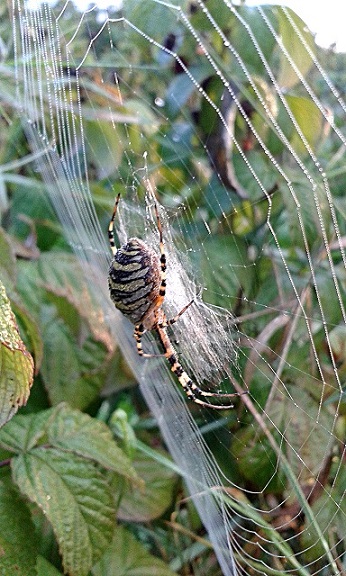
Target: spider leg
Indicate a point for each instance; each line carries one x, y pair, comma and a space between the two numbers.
208, 405
175, 318
162, 291
138, 333
111, 226
191, 389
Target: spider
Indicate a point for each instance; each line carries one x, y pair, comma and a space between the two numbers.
137, 285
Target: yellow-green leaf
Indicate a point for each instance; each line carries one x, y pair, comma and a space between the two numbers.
299, 55
76, 500
16, 364
309, 120
45, 568
147, 504
74, 431
127, 557
18, 542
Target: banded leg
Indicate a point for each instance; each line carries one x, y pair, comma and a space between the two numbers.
138, 333
111, 226
175, 318
162, 292
191, 389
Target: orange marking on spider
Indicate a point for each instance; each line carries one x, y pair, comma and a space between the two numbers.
137, 284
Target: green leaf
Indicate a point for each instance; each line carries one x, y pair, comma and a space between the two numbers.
31, 329
77, 344
337, 339
61, 275
147, 504
310, 121
298, 53
45, 568
104, 146
77, 432
232, 272
219, 11
152, 18
4, 203
182, 87
306, 430
242, 41
330, 510
28, 287
69, 430
7, 260
24, 432
72, 373
143, 113
332, 310
31, 199
308, 214
16, 364
18, 542
127, 557
75, 499
60, 366
262, 167
257, 460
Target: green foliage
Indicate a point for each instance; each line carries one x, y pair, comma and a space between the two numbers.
74, 476
127, 557
75, 500
16, 364
331, 504
17, 534
54, 466
302, 59
227, 256
77, 347
58, 460
152, 502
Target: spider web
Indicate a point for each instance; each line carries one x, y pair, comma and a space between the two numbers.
245, 155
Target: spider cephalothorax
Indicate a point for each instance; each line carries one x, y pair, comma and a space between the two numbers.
137, 285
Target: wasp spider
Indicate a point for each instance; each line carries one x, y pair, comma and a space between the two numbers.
137, 284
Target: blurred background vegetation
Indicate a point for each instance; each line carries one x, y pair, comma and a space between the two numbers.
159, 112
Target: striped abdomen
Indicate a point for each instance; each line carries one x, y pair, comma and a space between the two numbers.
134, 279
